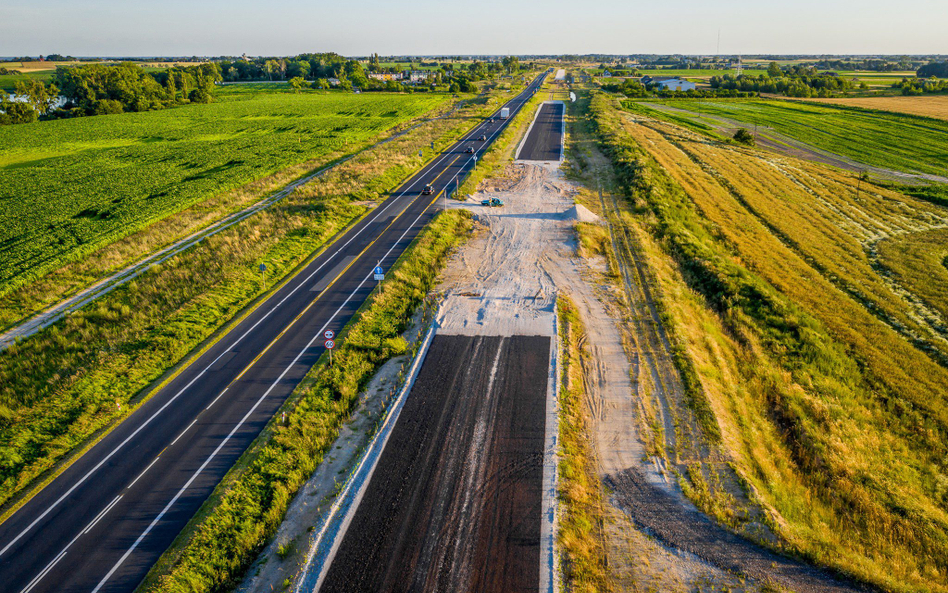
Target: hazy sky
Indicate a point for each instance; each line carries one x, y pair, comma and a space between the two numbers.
358, 27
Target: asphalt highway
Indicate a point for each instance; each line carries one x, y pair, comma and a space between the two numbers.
545, 141
105, 520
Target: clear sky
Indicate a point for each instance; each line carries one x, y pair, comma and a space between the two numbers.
359, 27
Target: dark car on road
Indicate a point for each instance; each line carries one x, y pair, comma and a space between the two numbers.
483, 137
427, 191
469, 150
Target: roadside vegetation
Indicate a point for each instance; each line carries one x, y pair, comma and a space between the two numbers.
65, 383
581, 536
73, 186
823, 375
248, 506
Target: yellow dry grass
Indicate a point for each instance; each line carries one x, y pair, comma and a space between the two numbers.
851, 472
926, 106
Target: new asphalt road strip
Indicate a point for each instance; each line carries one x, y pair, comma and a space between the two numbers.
105, 520
545, 140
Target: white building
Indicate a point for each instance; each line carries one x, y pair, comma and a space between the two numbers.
669, 84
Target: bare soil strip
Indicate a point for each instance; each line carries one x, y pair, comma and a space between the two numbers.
690, 531
455, 501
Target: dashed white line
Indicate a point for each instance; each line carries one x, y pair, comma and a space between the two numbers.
143, 472
216, 398
183, 431
102, 514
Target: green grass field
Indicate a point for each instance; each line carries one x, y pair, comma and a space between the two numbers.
8, 81
890, 140
68, 187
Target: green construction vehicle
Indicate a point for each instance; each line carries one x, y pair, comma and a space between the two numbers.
492, 203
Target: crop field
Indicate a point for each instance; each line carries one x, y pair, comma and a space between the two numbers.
819, 335
68, 187
888, 140
935, 106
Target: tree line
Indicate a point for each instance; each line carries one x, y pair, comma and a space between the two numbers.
98, 89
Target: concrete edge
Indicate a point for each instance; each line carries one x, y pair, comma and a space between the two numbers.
549, 556
343, 510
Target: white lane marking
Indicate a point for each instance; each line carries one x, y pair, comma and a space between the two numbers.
49, 566
102, 514
216, 398
40, 576
183, 431
247, 415
183, 389
143, 472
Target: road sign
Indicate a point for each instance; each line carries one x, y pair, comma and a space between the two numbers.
330, 344
263, 267
378, 273
329, 334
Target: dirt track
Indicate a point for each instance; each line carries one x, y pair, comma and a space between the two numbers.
454, 503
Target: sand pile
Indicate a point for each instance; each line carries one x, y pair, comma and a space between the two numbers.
581, 213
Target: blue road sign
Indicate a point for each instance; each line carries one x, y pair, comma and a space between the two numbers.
378, 270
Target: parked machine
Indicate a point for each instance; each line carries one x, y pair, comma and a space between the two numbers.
492, 203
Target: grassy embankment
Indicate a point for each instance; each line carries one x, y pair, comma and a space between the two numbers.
816, 367
246, 509
900, 142
68, 382
581, 522
72, 186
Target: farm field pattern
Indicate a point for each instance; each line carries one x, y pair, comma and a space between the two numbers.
926, 106
888, 140
845, 448
68, 187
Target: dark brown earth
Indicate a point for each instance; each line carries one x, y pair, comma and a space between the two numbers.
455, 501
690, 531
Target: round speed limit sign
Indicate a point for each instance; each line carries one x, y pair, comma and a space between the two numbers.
330, 344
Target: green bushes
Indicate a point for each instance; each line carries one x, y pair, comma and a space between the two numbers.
252, 501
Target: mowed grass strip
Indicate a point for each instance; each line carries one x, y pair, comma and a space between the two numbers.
835, 420
68, 187
895, 141
63, 384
